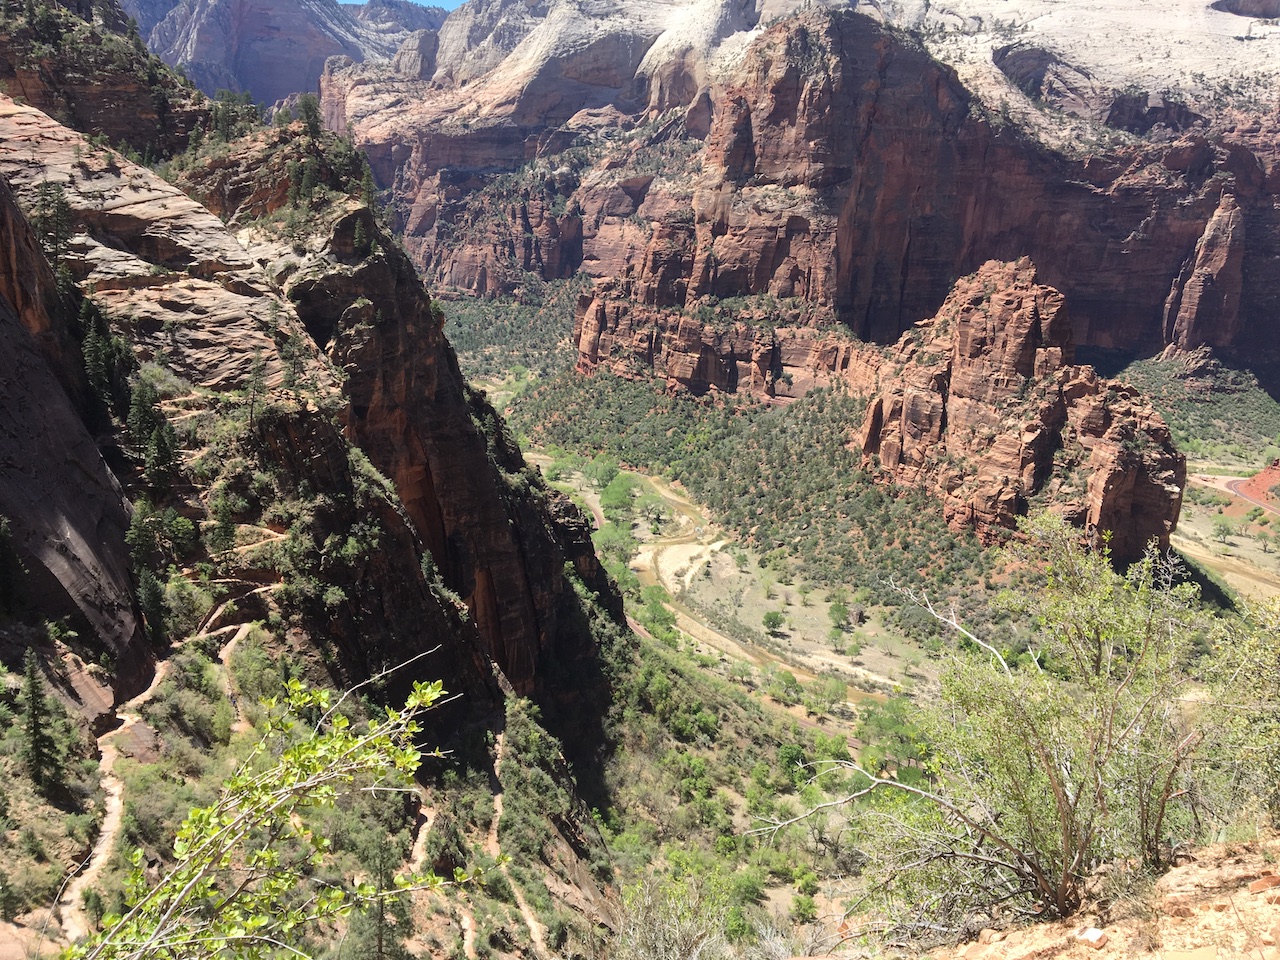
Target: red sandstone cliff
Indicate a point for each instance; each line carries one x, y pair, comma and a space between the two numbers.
498, 537
833, 162
191, 298
983, 404
69, 61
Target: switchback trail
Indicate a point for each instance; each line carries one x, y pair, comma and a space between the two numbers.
537, 932
75, 922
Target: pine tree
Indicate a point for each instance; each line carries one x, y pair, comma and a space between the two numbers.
257, 382
309, 112
144, 416
151, 601
310, 179
39, 749
161, 456
295, 182
51, 219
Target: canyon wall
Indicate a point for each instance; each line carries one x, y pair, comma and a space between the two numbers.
983, 404
832, 162
66, 512
335, 332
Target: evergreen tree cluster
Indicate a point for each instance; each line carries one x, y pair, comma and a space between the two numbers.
153, 437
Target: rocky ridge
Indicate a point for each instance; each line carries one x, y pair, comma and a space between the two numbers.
192, 299
499, 538
73, 62
787, 176
983, 404
66, 512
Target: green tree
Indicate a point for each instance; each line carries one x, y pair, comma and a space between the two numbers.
773, 621
144, 413
51, 219
237, 889
9, 899
151, 602
257, 382
839, 615
601, 471
1247, 686
40, 753
309, 113
378, 930
1223, 529
1076, 754
160, 458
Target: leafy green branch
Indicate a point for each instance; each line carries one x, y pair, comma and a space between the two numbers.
242, 885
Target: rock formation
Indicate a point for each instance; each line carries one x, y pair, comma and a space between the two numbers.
66, 512
984, 404
1204, 305
67, 62
827, 161
499, 540
219, 317
274, 48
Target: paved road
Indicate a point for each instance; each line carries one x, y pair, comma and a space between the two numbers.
1236, 487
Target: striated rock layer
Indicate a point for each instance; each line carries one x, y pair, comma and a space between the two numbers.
498, 537
983, 404
72, 61
66, 512
330, 319
275, 48
825, 160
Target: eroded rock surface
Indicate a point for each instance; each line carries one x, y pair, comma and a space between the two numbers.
824, 161
66, 512
498, 537
274, 48
984, 404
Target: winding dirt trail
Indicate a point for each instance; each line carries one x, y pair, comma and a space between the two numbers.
693, 545
537, 932
75, 921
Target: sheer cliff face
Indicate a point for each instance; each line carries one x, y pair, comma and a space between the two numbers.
825, 160
67, 514
499, 538
274, 48
285, 316
848, 170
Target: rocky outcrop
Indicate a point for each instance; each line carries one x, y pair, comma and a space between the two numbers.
1204, 304
1043, 75
69, 63
179, 285
1264, 9
983, 404
66, 512
416, 58
825, 159
498, 537
219, 316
